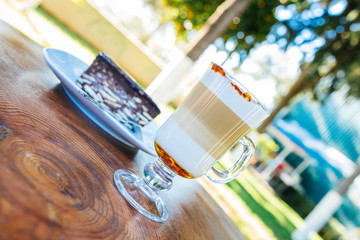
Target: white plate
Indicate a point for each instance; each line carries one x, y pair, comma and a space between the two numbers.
68, 68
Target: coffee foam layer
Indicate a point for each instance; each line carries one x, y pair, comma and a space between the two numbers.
251, 112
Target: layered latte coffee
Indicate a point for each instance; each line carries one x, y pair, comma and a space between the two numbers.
212, 118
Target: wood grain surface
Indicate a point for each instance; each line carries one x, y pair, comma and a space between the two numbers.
56, 166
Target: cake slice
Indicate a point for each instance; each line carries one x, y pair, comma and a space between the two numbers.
114, 90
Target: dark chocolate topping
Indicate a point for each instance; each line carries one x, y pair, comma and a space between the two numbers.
112, 87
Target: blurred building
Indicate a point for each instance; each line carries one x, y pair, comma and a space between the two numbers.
328, 135
336, 122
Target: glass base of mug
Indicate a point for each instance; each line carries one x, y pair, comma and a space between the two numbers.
139, 194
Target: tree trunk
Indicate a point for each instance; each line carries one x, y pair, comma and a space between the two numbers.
298, 87
216, 25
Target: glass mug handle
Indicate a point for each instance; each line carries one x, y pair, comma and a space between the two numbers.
218, 176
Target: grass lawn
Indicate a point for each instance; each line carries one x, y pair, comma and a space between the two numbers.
280, 220
263, 215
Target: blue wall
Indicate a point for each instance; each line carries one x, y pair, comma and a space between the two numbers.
336, 122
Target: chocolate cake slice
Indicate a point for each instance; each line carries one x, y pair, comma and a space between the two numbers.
115, 91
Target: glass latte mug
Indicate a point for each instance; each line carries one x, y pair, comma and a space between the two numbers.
214, 117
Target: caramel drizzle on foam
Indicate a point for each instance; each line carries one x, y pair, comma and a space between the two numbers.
217, 69
246, 95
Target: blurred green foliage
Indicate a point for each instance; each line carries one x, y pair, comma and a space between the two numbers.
244, 32
327, 32
183, 12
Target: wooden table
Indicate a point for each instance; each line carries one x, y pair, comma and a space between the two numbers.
56, 166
